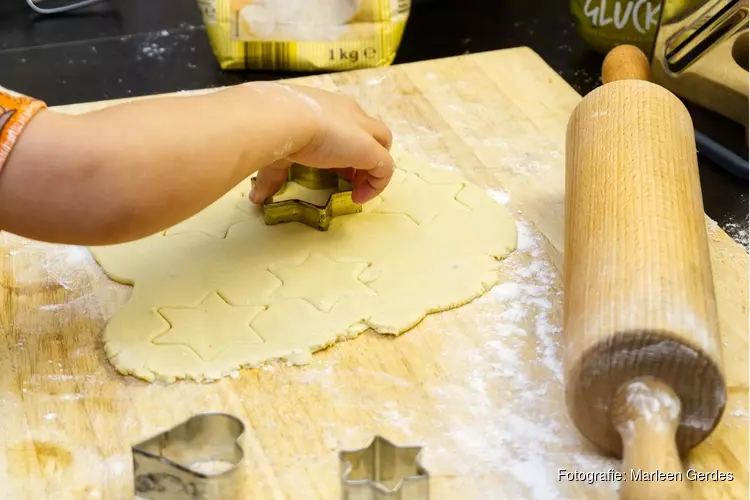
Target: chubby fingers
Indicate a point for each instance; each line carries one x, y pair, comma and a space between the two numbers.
370, 172
372, 176
374, 173
269, 180
378, 130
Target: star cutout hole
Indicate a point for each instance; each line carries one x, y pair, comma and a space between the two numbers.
210, 327
408, 198
320, 281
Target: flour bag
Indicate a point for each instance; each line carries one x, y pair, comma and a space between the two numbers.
305, 35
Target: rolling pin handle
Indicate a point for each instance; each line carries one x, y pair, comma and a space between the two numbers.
625, 62
646, 413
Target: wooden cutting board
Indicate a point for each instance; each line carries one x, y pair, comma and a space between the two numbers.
480, 387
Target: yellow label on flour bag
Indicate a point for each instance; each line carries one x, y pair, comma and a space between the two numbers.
305, 35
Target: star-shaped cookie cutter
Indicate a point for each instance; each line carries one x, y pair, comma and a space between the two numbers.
316, 216
383, 471
164, 466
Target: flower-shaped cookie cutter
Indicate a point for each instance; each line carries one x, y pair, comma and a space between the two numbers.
383, 471
196, 460
316, 216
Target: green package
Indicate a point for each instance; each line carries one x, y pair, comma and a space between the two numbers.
604, 24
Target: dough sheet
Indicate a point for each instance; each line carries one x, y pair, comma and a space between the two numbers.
221, 290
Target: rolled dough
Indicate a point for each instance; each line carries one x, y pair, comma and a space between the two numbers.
222, 290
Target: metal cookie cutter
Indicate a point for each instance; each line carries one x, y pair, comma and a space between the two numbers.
317, 216
164, 467
383, 471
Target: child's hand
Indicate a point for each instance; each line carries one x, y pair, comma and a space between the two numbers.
131, 170
342, 137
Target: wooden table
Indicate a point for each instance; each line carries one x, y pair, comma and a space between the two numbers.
480, 387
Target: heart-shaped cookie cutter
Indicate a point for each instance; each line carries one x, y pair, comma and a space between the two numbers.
196, 460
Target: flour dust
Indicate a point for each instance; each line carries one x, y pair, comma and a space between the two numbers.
738, 231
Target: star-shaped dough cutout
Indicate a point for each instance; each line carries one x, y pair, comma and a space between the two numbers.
209, 327
408, 198
216, 219
320, 280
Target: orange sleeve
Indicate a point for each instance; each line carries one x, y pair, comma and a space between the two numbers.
16, 111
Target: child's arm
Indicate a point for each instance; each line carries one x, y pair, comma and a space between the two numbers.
132, 170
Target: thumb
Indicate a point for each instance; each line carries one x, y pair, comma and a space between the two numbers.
269, 180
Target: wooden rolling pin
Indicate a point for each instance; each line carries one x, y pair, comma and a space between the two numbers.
643, 370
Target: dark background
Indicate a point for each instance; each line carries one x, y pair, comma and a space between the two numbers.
98, 53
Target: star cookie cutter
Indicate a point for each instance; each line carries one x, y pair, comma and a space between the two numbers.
165, 467
383, 471
316, 216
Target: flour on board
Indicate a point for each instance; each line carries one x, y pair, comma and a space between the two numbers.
499, 196
738, 231
521, 438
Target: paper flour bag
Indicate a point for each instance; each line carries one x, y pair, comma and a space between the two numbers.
305, 35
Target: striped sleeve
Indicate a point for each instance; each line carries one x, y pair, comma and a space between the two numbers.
16, 111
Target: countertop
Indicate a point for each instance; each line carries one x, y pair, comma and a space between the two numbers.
481, 388
98, 53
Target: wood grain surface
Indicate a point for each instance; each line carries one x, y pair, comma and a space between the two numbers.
480, 387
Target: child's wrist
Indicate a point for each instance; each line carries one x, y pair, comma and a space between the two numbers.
296, 114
